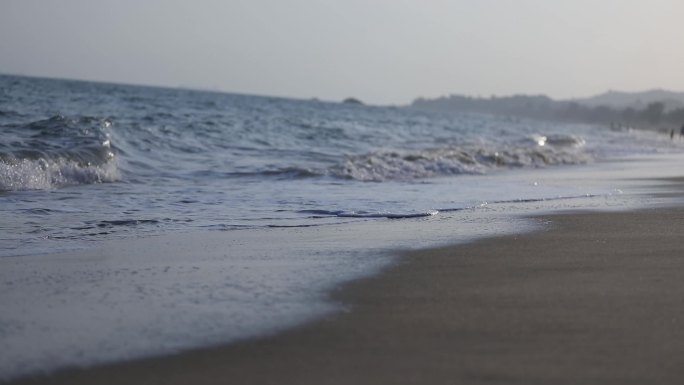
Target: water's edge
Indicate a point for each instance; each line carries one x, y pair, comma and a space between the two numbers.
136, 298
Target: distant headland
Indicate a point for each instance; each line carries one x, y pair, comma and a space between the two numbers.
654, 108
352, 101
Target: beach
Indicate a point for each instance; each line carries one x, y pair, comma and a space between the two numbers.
593, 298
155, 235
364, 193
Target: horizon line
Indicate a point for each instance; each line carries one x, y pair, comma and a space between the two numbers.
316, 98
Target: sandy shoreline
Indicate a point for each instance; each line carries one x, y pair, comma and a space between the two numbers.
598, 298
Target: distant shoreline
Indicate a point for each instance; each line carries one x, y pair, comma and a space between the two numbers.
660, 110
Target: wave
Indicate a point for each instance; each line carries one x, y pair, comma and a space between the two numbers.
539, 151
56, 152
45, 174
379, 166
61, 151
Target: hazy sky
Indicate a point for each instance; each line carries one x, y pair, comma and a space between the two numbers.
381, 51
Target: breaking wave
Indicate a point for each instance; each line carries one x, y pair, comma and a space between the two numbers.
387, 165
538, 151
57, 152
62, 151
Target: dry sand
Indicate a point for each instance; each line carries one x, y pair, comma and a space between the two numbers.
597, 298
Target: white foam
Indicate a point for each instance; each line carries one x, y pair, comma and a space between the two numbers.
457, 160
41, 174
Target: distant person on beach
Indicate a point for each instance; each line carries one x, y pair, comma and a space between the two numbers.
672, 134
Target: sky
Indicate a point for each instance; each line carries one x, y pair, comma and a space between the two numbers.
379, 51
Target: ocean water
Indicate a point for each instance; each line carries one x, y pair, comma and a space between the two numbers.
291, 196
83, 162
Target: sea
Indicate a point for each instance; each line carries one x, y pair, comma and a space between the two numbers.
140, 221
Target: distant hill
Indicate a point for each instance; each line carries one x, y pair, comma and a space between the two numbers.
655, 108
636, 100
352, 101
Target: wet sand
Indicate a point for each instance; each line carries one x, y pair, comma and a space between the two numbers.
595, 298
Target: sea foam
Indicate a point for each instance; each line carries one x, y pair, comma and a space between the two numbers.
42, 174
463, 159
56, 152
